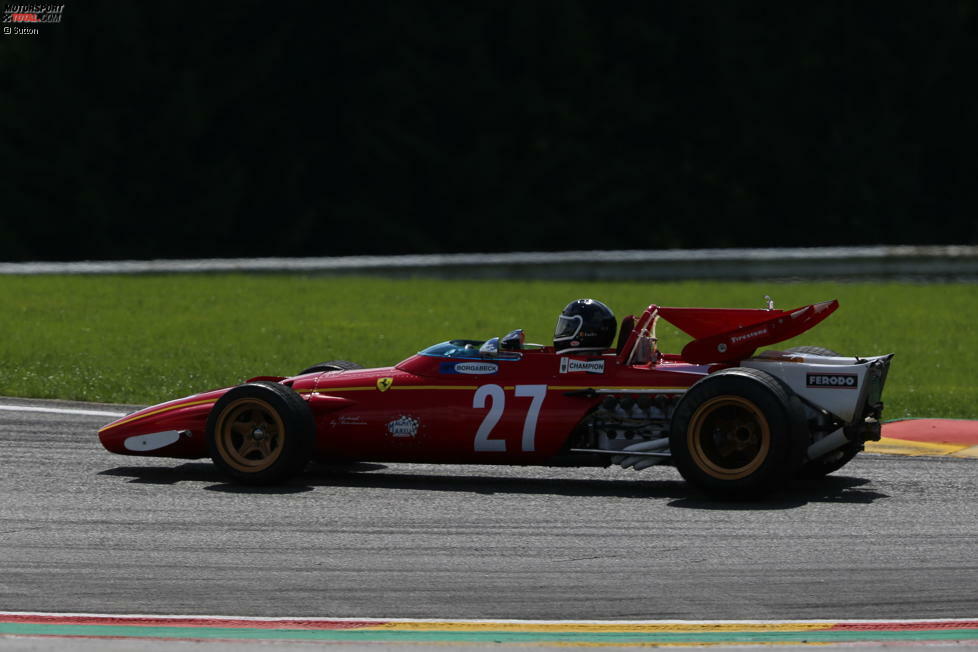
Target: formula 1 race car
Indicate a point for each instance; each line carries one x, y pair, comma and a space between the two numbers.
731, 422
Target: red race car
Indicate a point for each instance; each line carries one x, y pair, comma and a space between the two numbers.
728, 420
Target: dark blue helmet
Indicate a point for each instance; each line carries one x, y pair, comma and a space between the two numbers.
585, 325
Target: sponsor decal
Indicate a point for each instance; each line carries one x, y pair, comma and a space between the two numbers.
470, 368
347, 421
747, 336
384, 384
570, 365
833, 381
403, 426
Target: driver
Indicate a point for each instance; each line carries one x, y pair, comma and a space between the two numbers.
585, 325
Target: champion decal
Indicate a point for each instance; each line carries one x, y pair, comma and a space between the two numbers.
570, 365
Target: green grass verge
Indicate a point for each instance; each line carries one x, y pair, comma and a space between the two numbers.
144, 339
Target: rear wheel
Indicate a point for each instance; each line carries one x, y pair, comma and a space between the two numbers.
737, 431
331, 365
260, 433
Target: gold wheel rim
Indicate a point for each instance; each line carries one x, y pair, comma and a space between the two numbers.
728, 437
250, 435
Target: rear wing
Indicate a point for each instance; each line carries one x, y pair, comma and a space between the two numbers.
723, 334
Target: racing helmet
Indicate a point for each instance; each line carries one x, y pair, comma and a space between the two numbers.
585, 325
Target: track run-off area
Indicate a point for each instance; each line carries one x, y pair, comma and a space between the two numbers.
882, 551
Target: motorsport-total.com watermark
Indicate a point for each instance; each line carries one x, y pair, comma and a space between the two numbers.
22, 19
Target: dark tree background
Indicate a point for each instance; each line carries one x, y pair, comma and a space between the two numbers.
138, 130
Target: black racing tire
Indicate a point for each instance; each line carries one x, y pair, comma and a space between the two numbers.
261, 433
815, 350
331, 365
738, 432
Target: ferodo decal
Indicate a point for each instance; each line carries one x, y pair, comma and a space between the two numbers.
470, 368
570, 365
833, 381
384, 384
403, 426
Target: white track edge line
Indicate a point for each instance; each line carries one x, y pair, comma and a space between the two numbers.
490, 621
94, 413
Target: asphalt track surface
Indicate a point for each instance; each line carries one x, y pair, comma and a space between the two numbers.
82, 530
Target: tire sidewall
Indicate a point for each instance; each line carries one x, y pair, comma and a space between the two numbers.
771, 399
297, 420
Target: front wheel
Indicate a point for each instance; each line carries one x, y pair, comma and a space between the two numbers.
737, 431
260, 433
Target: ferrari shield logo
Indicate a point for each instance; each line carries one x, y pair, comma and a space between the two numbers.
384, 384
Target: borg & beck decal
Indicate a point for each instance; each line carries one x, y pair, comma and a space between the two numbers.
469, 368
833, 381
570, 365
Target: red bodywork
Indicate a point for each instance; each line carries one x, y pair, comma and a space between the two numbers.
520, 407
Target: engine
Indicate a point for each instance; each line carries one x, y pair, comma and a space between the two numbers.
630, 430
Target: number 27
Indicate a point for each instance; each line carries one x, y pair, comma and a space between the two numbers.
497, 403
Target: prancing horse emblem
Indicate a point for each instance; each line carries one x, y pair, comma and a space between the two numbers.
384, 384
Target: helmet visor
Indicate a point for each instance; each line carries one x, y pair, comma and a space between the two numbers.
568, 327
